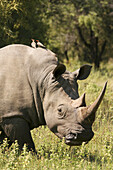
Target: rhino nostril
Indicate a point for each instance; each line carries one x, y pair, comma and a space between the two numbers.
75, 136
71, 136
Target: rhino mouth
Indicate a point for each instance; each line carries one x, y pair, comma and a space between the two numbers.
71, 140
73, 143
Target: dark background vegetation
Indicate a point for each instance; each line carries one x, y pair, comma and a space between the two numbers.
70, 28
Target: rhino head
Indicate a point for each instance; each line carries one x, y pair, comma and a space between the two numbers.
66, 113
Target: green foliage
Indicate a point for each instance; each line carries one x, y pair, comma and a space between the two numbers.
53, 153
22, 20
6, 10
81, 28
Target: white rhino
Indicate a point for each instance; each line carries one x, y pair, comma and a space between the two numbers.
36, 90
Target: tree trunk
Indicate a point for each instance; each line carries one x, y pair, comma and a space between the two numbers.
97, 56
93, 47
66, 55
97, 62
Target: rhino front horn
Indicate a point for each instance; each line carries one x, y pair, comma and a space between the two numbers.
93, 108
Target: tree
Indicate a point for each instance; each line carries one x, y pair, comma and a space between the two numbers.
61, 33
94, 27
21, 20
82, 26
6, 10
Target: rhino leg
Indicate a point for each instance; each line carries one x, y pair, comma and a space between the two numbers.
18, 129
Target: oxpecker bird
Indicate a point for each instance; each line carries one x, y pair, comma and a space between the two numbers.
39, 44
33, 44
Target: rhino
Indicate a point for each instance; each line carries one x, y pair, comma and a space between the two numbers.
35, 90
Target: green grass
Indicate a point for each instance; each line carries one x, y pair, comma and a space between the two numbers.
54, 154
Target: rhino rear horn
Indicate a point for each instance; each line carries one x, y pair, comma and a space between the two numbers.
80, 102
59, 70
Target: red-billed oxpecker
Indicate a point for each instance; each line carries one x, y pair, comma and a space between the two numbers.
33, 44
39, 44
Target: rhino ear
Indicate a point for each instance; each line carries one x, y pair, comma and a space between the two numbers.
59, 70
83, 72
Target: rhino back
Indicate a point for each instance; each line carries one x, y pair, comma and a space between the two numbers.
16, 96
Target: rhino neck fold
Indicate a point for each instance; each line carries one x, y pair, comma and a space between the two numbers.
38, 71
44, 79
41, 89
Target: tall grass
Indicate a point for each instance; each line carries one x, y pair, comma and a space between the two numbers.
53, 153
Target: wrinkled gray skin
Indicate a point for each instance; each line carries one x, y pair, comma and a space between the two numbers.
35, 90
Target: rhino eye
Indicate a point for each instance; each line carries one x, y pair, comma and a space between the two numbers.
61, 111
